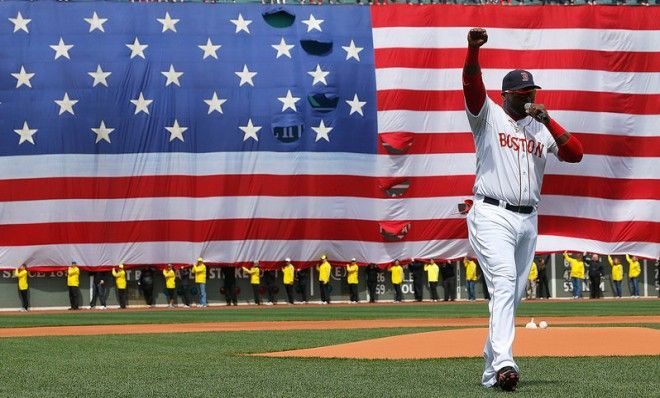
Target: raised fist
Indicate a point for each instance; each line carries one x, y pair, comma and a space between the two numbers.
477, 37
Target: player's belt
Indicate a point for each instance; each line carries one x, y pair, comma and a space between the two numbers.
516, 209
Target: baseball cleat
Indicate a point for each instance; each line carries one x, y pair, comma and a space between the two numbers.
507, 378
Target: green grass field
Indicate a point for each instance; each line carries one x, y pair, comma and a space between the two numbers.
213, 364
316, 312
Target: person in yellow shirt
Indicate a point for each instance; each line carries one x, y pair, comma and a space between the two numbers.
352, 280
255, 281
73, 283
617, 274
577, 273
633, 275
396, 272
470, 278
199, 271
324, 269
21, 273
120, 283
170, 284
531, 281
288, 273
433, 276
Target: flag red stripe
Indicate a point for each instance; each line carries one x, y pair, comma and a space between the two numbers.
187, 186
310, 229
532, 17
365, 187
219, 230
604, 231
593, 144
588, 101
223, 185
599, 187
453, 58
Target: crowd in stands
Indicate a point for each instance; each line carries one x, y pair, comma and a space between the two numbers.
188, 282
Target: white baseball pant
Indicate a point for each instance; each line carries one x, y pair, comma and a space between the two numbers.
504, 243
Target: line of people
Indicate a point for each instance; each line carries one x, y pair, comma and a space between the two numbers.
179, 281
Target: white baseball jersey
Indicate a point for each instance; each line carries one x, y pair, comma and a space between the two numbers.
511, 155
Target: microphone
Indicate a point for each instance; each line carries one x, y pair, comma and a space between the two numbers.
541, 117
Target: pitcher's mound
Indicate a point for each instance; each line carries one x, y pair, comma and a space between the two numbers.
574, 342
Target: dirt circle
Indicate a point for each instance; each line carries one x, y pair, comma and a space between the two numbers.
466, 343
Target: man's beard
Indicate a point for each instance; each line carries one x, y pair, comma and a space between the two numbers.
515, 113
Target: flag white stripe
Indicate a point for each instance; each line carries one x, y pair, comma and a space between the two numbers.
296, 208
606, 166
520, 39
225, 251
273, 163
575, 121
554, 79
551, 243
600, 209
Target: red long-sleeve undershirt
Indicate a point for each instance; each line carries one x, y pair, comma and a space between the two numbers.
473, 85
571, 151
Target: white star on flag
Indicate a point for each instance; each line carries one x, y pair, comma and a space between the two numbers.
282, 48
141, 104
215, 103
356, 105
241, 24
66, 104
352, 51
313, 23
246, 76
61, 49
99, 76
172, 76
209, 49
95, 22
23, 78
289, 102
20, 23
168, 23
250, 131
176, 131
137, 49
102, 132
318, 75
322, 131
26, 134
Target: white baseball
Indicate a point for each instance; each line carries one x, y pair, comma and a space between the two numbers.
543, 324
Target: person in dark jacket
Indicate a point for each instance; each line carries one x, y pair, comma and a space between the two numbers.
229, 285
146, 283
544, 289
183, 286
484, 286
270, 280
372, 272
595, 272
416, 268
302, 276
99, 282
448, 273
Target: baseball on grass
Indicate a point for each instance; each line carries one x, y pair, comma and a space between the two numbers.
543, 324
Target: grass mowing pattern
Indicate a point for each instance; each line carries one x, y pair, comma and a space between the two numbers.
210, 365
316, 312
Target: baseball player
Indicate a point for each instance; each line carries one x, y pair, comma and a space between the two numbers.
512, 143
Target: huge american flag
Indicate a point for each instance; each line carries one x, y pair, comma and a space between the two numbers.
155, 133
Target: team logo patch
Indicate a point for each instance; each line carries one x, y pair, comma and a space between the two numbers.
524, 76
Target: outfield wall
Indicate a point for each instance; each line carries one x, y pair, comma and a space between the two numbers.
48, 289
